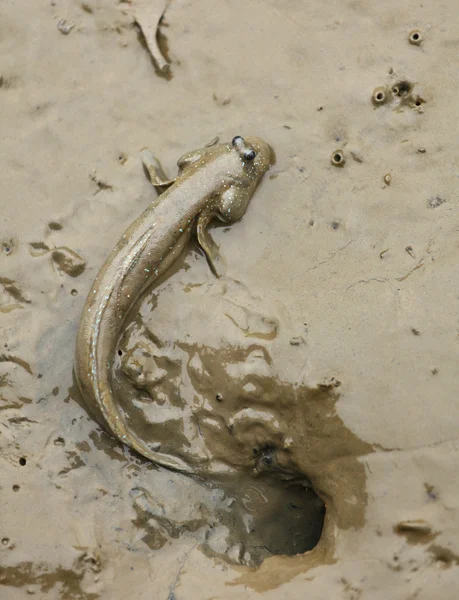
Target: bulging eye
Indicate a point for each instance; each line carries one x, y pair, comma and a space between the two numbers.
237, 140
249, 155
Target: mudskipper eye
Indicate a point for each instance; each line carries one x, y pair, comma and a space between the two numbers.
249, 155
237, 140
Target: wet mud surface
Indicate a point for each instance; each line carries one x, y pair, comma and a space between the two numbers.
211, 396
313, 389
219, 404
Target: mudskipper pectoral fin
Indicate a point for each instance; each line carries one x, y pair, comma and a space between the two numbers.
155, 171
216, 262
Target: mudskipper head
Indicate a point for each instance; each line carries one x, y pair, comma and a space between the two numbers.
256, 154
254, 157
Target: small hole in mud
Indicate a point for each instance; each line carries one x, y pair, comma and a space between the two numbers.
74, 292
55, 226
16, 488
22, 461
120, 353
380, 96
415, 38
5, 541
402, 88
337, 158
335, 225
219, 397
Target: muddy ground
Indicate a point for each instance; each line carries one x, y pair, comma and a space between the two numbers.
355, 263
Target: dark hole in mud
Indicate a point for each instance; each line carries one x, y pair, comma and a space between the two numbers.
55, 226
267, 516
16, 488
402, 88
379, 96
120, 353
22, 461
241, 519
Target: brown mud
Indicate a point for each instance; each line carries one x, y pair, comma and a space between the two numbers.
321, 373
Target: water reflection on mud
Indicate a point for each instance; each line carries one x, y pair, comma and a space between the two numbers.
195, 379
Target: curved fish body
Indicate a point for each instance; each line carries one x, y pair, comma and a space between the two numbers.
214, 183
